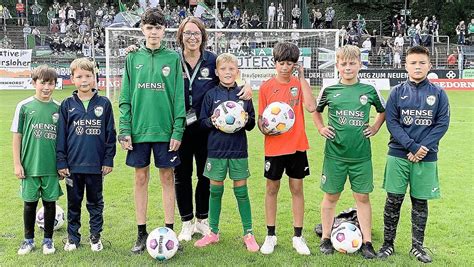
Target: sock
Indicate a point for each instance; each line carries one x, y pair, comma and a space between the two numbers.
271, 230
215, 204
29, 214
242, 195
298, 231
49, 218
419, 216
142, 229
391, 215
169, 225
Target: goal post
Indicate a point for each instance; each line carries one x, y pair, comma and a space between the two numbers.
253, 48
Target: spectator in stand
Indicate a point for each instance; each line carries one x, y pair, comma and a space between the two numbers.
425, 22
271, 15
62, 13
245, 20
56, 8
296, 14
399, 41
452, 60
37, 35
83, 28
373, 39
342, 36
226, 16
435, 28
181, 12
54, 26
62, 27
317, 18
384, 49
353, 37
402, 26
425, 36
26, 32
411, 33
71, 15
236, 16
234, 43
470, 32
88, 11
20, 13
395, 25
397, 60
1, 14
255, 22
36, 10
367, 45
80, 12
329, 17
280, 16
56, 43
461, 32
50, 15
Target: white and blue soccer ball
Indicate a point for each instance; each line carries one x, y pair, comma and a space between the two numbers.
58, 219
346, 238
278, 118
162, 243
230, 117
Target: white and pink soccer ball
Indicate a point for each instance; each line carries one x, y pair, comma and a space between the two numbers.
278, 118
346, 238
58, 219
230, 117
162, 243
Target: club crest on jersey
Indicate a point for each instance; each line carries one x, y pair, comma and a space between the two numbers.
363, 99
55, 117
430, 100
165, 70
294, 91
267, 165
205, 72
407, 120
208, 166
98, 111
323, 178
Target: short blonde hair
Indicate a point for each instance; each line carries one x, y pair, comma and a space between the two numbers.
348, 52
225, 58
82, 63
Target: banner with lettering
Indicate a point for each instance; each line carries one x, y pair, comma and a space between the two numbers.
15, 63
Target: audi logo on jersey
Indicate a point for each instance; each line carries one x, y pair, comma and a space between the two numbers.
423, 122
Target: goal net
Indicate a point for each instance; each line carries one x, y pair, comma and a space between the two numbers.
253, 49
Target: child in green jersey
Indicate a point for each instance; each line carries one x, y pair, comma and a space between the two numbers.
152, 117
34, 157
347, 151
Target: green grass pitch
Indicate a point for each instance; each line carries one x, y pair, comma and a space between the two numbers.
450, 223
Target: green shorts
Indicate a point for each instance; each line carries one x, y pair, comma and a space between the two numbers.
335, 173
45, 187
216, 169
422, 178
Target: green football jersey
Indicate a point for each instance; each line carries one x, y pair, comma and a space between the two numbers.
36, 121
348, 113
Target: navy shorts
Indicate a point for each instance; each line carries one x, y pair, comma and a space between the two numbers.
139, 157
295, 166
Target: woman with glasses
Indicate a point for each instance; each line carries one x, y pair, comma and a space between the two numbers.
199, 67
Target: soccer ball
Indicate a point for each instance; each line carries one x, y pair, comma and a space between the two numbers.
162, 243
230, 117
278, 118
58, 220
346, 238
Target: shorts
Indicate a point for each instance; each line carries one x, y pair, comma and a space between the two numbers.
20, 14
139, 157
422, 178
295, 166
45, 187
335, 173
216, 169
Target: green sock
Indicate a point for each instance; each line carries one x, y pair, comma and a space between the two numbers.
242, 195
215, 204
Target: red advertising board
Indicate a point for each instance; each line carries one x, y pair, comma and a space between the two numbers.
454, 84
